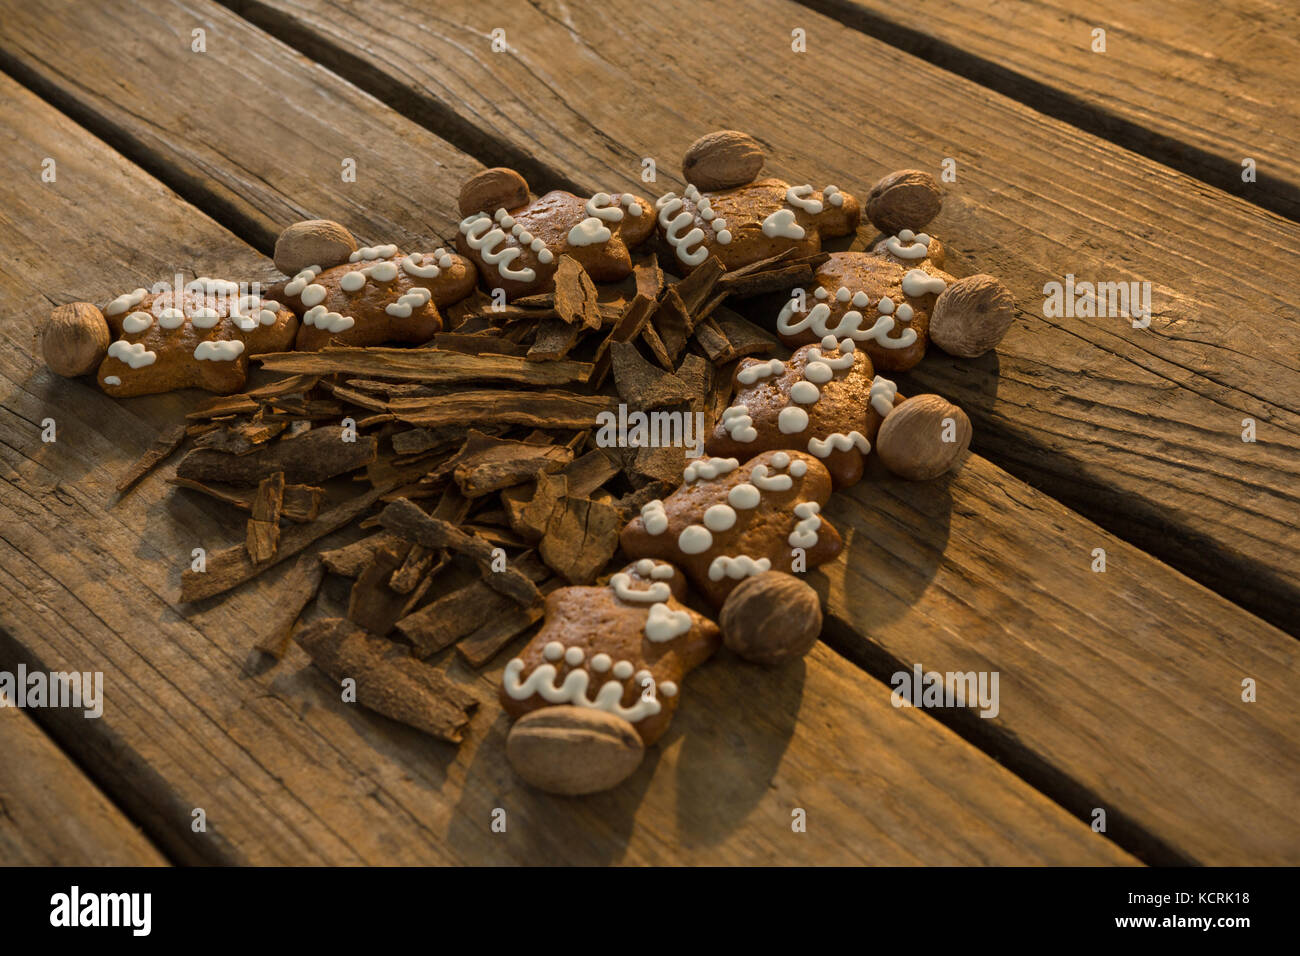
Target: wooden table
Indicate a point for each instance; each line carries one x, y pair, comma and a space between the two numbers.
1121, 691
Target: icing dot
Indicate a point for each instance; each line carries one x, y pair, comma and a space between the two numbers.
780, 459
573, 656
137, 322
384, 272
694, 539
553, 651
654, 517
821, 293
623, 670
744, 496
352, 281
818, 372
170, 318
112, 380
601, 663
799, 468
805, 393
313, 295
668, 689
719, 517
842, 294
644, 567
545, 257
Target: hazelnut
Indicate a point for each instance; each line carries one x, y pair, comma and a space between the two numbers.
923, 437
971, 316
573, 750
313, 242
493, 189
722, 160
771, 618
907, 199
75, 339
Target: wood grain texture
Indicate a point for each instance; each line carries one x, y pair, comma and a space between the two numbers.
1139, 430
285, 772
1128, 682
1196, 86
51, 814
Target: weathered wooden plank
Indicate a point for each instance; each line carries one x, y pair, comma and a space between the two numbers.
1127, 681
283, 770
51, 814
1200, 87
1139, 429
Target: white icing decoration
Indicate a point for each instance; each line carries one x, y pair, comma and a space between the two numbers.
417, 298
631, 205
553, 651
219, 351
134, 355
792, 420
267, 317
574, 656
768, 482
744, 496
204, 318
738, 424
752, 373
653, 517
601, 663
674, 221
822, 447
818, 372
413, 265
329, 321
480, 235
245, 323
781, 224
128, 300
719, 517
833, 195
798, 467
137, 322
313, 295
170, 318
741, 566
805, 393
695, 539
918, 282
804, 534
112, 380
623, 670
621, 583
883, 392
780, 459
589, 232
352, 281
599, 207
798, 196
383, 272
709, 468
905, 245
663, 624
574, 691
668, 689
649, 568
372, 252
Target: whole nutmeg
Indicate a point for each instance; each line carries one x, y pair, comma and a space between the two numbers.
722, 159
313, 242
493, 189
971, 316
923, 437
75, 339
573, 750
771, 617
907, 199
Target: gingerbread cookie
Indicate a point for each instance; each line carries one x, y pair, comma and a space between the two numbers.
516, 242
882, 302
199, 336
726, 211
729, 521
622, 648
378, 295
825, 399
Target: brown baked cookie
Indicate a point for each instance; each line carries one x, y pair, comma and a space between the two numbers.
752, 222
623, 648
516, 242
729, 521
882, 305
378, 295
199, 336
825, 399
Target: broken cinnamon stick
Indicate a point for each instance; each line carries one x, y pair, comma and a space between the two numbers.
156, 454
425, 365
308, 459
293, 592
264, 525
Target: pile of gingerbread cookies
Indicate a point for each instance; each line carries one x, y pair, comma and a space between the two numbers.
721, 558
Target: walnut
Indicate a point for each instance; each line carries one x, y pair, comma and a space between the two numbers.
75, 339
722, 160
313, 242
923, 437
771, 618
493, 189
971, 316
906, 199
573, 750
